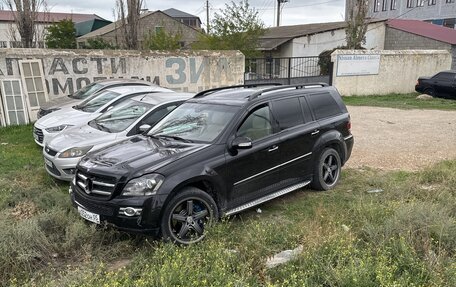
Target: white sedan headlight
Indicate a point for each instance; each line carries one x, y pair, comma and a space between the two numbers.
75, 152
145, 185
57, 129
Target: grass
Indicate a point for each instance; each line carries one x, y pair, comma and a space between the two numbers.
402, 236
401, 101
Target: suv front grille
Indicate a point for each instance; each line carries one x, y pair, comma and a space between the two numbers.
94, 185
39, 134
93, 207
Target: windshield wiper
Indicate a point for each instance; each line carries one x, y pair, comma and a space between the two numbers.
172, 137
102, 127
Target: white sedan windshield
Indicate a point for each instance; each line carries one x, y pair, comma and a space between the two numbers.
121, 117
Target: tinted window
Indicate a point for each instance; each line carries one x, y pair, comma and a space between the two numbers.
257, 125
444, 76
323, 105
287, 112
157, 114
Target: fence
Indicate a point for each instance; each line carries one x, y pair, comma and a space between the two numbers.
286, 70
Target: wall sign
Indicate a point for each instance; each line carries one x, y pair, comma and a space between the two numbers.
357, 65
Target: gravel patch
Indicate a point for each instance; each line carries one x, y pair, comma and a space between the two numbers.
393, 139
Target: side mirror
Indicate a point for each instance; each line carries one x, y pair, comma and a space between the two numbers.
241, 143
144, 128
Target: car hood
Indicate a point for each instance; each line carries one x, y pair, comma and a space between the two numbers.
59, 102
138, 155
67, 116
81, 136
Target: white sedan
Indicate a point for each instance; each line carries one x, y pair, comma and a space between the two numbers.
74, 115
128, 118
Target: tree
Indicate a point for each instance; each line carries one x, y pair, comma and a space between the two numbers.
25, 13
98, 44
357, 25
61, 35
160, 40
129, 12
237, 27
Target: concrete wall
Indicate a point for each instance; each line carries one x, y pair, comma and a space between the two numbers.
313, 45
398, 71
68, 70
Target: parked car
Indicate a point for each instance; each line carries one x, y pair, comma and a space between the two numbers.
442, 84
128, 118
224, 151
90, 108
86, 91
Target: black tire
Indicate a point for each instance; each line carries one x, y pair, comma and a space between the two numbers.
430, 92
326, 170
187, 214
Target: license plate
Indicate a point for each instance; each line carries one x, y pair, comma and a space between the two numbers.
48, 162
95, 218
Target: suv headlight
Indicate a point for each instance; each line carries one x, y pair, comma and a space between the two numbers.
75, 152
57, 129
145, 185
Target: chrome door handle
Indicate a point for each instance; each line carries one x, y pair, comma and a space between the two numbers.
273, 148
315, 132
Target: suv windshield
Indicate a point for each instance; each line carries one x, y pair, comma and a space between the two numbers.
92, 104
86, 91
195, 122
121, 117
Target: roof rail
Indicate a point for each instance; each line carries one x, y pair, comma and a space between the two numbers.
297, 86
210, 91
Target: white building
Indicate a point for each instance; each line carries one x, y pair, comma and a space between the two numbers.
10, 38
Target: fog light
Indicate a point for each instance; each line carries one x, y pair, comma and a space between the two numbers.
130, 211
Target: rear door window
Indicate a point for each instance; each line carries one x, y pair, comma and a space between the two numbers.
287, 112
323, 105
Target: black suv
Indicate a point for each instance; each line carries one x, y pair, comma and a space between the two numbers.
442, 84
225, 150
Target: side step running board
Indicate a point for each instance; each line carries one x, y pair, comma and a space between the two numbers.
266, 198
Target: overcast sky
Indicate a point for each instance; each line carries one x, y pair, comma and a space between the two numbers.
294, 12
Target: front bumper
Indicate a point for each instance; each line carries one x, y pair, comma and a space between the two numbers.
60, 168
110, 211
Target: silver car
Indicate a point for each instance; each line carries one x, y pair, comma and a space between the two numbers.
86, 91
128, 118
74, 115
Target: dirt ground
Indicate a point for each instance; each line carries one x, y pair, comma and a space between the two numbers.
393, 139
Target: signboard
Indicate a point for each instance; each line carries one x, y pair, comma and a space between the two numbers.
357, 65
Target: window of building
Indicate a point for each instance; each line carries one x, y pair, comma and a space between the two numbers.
419, 3
376, 5
393, 4
3, 44
449, 1
432, 2
158, 29
409, 3
385, 5
16, 44
450, 23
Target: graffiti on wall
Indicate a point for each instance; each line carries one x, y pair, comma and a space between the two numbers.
64, 75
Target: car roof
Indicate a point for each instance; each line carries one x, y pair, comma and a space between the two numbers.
125, 90
109, 82
160, 98
240, 95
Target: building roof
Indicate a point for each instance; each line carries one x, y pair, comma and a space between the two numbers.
276, 36
178, 13
428, 30
86, 27
51, 17
115, 25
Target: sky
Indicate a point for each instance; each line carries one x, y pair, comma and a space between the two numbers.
294, 11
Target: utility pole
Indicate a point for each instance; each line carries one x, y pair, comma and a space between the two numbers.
207, 15
278, 10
